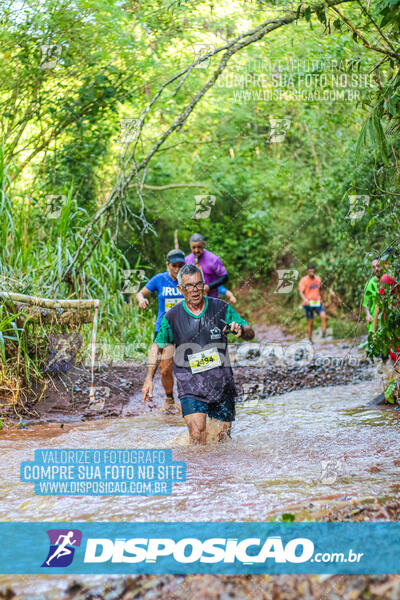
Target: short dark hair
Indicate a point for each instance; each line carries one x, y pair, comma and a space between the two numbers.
196, 237
189, 270
311, 266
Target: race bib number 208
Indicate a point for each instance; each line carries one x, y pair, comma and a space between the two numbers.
204, 361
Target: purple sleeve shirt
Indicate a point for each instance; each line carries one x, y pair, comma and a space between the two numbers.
212, 267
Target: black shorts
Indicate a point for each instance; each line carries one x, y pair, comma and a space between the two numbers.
310, 310
223, 411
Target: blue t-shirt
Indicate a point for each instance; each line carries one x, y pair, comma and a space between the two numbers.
167, 293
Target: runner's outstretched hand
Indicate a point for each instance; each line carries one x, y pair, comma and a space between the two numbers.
147, 391
229, 297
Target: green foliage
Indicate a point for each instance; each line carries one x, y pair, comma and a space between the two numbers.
389, 11
388, 334
287, 518
284, 518
279, 204
390, 391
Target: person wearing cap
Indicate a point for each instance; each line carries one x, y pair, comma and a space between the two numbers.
210, 264
168, 294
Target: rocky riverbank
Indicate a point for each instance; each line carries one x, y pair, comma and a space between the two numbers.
260, 371
224, 587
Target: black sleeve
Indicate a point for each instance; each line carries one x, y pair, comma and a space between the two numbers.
221, 280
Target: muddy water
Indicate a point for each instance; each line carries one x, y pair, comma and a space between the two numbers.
309, 447
304, 447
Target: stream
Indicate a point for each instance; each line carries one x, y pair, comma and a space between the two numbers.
306, 448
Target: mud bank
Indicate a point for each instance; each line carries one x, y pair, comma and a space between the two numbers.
65, 397
366, 509
237, 587
274, 364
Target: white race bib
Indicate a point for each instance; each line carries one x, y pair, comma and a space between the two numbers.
205, 360
314, 303
170, 302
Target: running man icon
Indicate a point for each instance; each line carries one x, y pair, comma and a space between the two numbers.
61, 550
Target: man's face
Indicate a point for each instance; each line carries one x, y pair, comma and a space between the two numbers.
173, 269
311, 273
376, 267
197, 248
193, 295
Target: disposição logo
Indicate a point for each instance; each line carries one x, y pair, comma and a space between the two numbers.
62, 547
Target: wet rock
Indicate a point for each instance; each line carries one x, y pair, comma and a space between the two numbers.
280, 379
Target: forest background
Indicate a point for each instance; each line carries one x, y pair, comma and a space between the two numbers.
271, 127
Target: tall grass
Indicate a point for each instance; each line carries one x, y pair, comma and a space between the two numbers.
36, 247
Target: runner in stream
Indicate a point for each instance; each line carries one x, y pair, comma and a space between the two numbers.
166, 286
310, 292
198, 328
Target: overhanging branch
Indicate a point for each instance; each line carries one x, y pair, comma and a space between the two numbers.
129, 168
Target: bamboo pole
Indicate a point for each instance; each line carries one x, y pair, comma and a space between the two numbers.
49, 302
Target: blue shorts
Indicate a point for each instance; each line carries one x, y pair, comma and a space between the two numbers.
309, 310
223, 411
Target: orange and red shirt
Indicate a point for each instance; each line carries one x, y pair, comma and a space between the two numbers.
311, 287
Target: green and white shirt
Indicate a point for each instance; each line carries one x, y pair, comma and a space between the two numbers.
201, 363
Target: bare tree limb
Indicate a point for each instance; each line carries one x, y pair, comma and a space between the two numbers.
172, 185
128, 157
359, 34
383, 36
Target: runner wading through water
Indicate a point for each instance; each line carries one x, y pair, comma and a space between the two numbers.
210, 264
166, 286
310, 292
197, 327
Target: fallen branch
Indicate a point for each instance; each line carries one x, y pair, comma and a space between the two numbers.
49, 302
172, 185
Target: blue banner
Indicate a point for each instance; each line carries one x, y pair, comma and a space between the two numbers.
191, 548
103, 472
